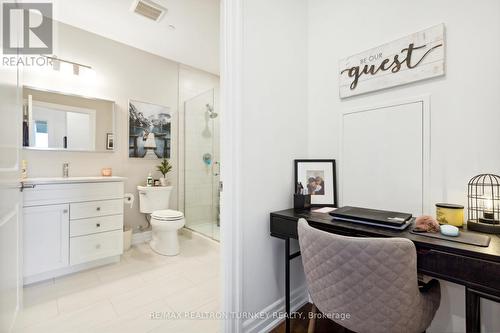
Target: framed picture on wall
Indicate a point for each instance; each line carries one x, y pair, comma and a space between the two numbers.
110, 141
149, 130
320, 180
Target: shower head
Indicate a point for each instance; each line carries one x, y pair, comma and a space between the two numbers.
211, 112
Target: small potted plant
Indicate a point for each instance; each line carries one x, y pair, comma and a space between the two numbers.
164, 167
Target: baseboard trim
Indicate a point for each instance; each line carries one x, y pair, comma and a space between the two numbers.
141, 237
299, 297
70, 270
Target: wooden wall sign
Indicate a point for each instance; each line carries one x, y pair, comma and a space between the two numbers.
416, 57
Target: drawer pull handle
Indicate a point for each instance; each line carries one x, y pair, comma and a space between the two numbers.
98, 225
65, 211
98, 209
98, 246
424, 251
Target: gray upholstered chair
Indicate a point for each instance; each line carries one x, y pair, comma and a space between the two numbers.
371, 280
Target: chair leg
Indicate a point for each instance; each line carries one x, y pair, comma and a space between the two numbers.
312, 321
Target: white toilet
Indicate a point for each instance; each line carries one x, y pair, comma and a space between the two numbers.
164, 222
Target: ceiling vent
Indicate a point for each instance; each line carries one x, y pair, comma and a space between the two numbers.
149, 9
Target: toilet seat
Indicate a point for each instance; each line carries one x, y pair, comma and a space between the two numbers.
167, 215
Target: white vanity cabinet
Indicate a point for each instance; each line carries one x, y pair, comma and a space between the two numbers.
71, 224
46, 235
96, 230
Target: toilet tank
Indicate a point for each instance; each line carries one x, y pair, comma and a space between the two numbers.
153, 198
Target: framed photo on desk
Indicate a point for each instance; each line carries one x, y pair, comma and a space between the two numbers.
319, 178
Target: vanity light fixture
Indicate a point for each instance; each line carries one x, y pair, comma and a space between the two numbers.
61, 65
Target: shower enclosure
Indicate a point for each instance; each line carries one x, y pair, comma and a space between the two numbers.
201, 165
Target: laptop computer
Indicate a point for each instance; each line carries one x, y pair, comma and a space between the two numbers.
375, 217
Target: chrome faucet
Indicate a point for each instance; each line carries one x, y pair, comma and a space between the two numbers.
66, 170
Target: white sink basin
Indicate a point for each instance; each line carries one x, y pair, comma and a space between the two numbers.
67, 180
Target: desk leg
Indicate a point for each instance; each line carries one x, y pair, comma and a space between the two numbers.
472, 312
287, 285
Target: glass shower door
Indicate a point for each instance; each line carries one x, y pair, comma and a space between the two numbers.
201, 162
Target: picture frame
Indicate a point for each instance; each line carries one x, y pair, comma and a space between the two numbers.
319, 178
150, 130
110, 141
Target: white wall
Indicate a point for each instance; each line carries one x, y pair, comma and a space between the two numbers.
464, 103
273, 125
194, 41
122, 73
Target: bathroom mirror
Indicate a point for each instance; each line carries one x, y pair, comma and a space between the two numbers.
58, 121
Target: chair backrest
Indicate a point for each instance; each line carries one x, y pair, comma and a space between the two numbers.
373, 281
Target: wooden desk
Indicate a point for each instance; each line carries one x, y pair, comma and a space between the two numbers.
477, 268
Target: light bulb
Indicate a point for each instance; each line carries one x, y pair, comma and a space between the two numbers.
488, 203
56, 65
488, 212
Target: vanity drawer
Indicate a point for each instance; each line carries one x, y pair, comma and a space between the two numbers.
97, 246
94, 225
83, 210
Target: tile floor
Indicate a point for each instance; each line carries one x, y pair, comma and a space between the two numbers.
122, 297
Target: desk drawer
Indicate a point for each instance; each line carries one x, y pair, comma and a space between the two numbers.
95, 225
82, 210
280, 226
458, 268
288, 228
92, 247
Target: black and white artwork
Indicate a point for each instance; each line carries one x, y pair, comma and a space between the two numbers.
149, 130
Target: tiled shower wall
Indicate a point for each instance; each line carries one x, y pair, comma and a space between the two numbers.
198, 196
200, 177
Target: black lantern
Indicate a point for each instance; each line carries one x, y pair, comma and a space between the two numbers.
484, 204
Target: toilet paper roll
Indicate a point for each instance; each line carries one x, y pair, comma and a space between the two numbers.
129, 199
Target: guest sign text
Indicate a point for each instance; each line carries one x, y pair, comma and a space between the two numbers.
412, 58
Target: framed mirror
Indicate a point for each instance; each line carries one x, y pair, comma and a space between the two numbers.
59, 121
